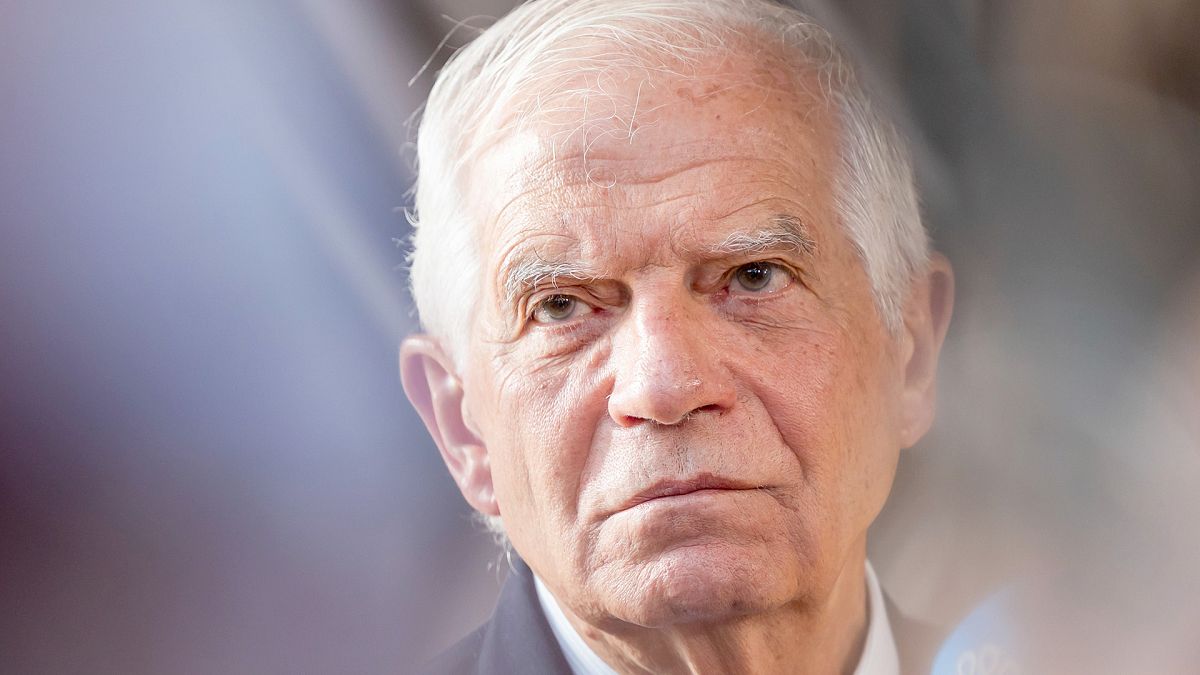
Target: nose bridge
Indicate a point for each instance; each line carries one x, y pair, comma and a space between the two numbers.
668, 366
666, 342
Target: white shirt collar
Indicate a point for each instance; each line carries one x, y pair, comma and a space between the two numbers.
879, 656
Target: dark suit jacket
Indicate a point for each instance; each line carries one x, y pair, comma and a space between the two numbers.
517, 640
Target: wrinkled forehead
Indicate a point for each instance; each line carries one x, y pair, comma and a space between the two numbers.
607, 92
621, 88
641, 126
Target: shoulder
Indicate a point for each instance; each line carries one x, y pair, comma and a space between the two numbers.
460, 659
516, 639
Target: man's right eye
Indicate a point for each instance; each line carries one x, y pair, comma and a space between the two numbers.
558, 308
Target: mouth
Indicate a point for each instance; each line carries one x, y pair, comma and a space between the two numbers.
677, 488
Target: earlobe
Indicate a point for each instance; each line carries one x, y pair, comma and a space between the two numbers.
436, 391
926, 319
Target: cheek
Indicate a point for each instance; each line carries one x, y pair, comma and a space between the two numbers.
801, 389
828, 400
542, 420
872, 445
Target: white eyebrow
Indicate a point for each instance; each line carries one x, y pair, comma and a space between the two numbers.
787, 233
534, 272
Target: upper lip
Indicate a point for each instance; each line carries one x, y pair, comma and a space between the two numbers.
674, 487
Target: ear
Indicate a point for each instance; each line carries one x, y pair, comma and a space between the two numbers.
435, 390
926, 317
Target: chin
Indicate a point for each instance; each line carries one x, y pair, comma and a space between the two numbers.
704, 584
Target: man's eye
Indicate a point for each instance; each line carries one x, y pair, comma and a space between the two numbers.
558, 308
760, 278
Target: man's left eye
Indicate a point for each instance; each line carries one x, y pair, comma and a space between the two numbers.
760, 278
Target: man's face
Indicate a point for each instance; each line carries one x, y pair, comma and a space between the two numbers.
696, 417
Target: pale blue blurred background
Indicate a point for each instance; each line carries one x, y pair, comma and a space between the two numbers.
207, 463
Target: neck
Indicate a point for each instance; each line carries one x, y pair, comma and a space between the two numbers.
823, 635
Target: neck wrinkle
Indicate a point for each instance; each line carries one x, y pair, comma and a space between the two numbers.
792, 639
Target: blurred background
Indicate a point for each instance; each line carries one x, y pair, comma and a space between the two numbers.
207, 463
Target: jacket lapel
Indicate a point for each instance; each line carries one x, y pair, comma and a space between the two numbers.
518, 639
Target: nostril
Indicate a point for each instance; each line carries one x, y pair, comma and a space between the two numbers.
711, 407
630, 420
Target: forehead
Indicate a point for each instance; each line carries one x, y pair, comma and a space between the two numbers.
662, 158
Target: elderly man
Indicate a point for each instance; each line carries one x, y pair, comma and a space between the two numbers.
682, 318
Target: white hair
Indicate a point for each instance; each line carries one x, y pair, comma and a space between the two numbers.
535, 53
538, 55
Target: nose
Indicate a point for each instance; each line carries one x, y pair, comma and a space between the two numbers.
668, 368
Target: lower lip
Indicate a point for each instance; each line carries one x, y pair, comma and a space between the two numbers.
684, 498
